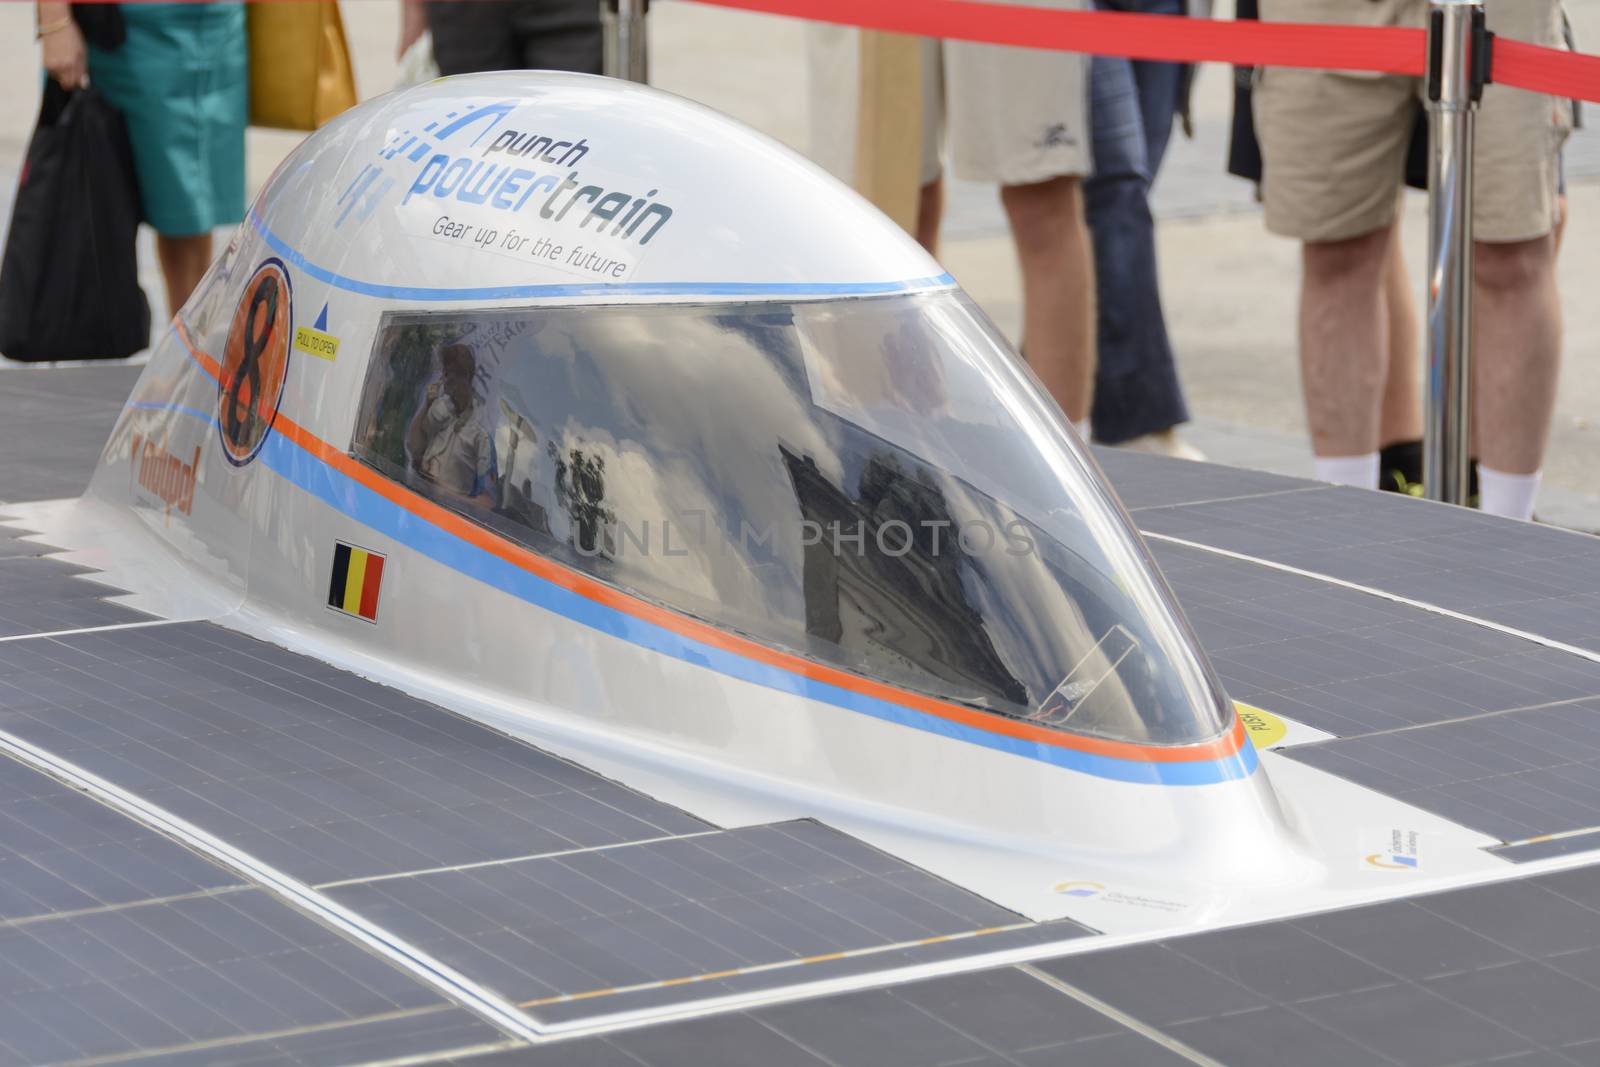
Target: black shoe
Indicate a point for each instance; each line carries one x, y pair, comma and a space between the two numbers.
1400, 468
1400, 471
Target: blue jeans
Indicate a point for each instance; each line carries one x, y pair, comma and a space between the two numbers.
1132, 105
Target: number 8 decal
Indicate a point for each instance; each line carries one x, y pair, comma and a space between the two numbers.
255, 363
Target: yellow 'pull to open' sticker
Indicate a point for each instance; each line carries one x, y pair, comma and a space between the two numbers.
314, 342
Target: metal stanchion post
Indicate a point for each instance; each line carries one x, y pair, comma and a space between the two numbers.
1458, 57
623, 23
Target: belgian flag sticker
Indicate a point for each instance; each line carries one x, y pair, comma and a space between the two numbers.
357, 574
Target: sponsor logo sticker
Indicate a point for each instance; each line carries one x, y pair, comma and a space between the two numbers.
495, 178
1392, 850
1086, 890
163, 474
255, 363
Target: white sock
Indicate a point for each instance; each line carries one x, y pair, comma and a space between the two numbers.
1359, 471
1082, 426
1510, 495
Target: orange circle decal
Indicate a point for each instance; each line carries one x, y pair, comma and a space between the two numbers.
255, 363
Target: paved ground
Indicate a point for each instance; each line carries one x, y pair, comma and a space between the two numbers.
1229, 287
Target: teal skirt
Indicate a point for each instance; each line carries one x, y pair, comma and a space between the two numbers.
182, 81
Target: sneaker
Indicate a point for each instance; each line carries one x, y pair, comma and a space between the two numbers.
1400, 468
1400, 471
1163, 443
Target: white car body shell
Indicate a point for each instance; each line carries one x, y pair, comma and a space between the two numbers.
358, 223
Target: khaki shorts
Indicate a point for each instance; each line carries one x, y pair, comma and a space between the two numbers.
1012, 115
1333, 144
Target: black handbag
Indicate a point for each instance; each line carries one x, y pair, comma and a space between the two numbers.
101, 25
69, 284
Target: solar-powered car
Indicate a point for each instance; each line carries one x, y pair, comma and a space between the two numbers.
590, 414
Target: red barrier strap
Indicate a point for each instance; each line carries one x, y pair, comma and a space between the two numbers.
1384, 49
1546, 70
1176, 38
1179, 39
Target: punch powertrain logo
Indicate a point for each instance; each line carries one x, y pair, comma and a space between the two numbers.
255, 363
353, 586
1392, 862
515, 197
1079, 889
538, 193
366, 191
527, 178
481, 121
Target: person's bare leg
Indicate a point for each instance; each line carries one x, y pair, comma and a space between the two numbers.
1400, 418
930, 209
1344, 342
1057, 287
184, 261
1516, 352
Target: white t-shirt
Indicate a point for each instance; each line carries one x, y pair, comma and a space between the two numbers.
457, 455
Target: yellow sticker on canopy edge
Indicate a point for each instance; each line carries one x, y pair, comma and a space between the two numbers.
1265, 729
313, 342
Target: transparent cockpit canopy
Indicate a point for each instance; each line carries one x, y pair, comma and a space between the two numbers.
873, 483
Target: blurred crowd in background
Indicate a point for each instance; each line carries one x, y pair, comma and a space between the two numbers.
1074, 146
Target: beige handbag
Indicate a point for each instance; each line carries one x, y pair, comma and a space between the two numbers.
300, 73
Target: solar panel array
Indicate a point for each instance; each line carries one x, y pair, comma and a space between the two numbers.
116, 941
581, 899
1504, 974
541, 881
56, 423
1483, 727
